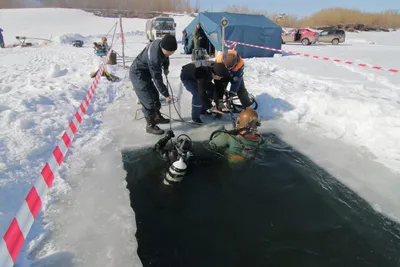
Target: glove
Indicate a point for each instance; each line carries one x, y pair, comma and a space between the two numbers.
166, 72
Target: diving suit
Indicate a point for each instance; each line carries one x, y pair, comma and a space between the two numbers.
241, 143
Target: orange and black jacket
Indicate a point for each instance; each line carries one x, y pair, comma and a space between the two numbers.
236, 72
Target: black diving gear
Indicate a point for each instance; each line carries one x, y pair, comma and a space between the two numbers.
177, 156
181, 148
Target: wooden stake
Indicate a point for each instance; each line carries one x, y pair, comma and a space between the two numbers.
123, 40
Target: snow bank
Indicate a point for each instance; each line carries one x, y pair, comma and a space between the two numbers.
69, 38
380, 38
358, 114
47, 22
41, 88
55, 71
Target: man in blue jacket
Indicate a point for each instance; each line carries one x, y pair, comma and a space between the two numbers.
235, 64
146, 76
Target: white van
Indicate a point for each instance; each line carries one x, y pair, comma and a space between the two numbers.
157, 27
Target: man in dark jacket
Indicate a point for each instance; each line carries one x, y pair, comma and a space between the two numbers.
198, 81
146, 76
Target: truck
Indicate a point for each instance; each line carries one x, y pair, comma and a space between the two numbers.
157, 27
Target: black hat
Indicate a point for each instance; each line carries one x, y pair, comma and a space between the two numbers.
220, 70
169, 43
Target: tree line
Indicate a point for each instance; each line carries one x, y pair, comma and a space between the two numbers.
131, 5
328, 17
324, 17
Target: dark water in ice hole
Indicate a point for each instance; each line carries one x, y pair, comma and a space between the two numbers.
280, 210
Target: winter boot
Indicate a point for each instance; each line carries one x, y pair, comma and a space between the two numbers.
159, 119
110, 77
152, 127
93, 74
197, 120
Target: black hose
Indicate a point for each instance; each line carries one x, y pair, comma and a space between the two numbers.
230, 111
173, 102
231, 132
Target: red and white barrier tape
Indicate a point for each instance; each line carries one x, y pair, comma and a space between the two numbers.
316, 57
14, 238
231, 46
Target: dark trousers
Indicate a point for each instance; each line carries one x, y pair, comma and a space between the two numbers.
200, 98
220, 88
146, 91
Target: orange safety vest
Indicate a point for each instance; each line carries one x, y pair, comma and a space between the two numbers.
239, 61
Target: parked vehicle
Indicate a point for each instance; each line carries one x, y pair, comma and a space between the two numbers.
157, 27
332, 36
304, 36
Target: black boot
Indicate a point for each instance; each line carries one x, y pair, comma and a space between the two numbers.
152, 127
159, 119
197, 120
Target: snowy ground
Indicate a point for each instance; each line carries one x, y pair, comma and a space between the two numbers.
345, 118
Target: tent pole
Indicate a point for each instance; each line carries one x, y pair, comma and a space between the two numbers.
223, 40
224, 23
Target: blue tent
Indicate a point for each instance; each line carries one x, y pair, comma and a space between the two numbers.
250, 29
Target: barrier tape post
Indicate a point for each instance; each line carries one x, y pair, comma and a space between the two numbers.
234, 43
15, 236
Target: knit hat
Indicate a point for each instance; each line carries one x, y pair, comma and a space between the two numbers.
220, 70
169, 43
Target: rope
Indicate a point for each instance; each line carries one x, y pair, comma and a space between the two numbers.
170, 123
182, 120
115, 25
174, 100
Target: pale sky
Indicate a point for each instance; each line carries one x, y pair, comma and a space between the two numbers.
300, 7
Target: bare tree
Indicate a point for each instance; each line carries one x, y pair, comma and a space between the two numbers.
129, 6
197, 7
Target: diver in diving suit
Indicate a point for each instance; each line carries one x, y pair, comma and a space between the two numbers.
241, 143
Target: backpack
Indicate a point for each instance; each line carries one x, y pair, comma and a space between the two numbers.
199, 54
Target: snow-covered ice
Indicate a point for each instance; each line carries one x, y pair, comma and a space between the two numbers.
345, 118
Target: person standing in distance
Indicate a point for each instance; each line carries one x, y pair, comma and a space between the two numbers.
2, 45
146, 77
